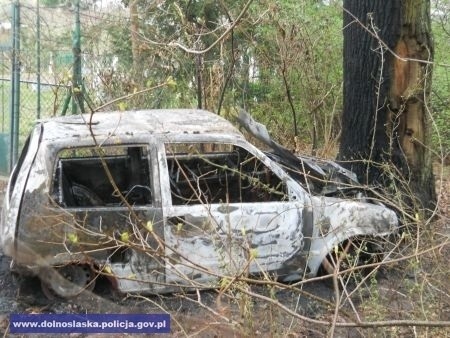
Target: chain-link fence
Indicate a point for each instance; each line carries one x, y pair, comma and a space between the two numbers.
36, 55
26, 91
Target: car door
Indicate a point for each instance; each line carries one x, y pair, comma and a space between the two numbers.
103, 202
226, 212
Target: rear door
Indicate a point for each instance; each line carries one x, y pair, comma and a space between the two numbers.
105, 207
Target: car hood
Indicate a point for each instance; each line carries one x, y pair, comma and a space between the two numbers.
318, 176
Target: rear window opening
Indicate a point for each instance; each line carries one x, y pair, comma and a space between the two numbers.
85, 177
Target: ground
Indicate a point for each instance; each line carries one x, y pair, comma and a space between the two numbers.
414, 289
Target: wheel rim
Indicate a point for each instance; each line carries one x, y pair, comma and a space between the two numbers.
68, 281
349, 255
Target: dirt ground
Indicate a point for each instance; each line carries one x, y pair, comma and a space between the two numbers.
208, 315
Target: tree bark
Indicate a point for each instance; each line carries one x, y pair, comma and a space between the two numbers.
134, 30
387, 74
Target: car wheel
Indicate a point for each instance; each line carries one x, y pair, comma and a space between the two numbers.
353, 260
68, 281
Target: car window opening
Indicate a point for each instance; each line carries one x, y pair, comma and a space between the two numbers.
220, 173
81, 179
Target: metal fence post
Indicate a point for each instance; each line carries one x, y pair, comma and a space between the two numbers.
77, 99
15, 86
38, 61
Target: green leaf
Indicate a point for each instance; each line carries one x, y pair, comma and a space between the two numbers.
72, 238
149, 226
171, 83
125, 236
122, 106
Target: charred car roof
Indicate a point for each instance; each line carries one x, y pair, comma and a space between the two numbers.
156, 122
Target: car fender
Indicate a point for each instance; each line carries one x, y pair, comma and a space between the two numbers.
337, 220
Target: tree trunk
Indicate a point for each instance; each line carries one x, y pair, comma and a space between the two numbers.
387, 74
134, 30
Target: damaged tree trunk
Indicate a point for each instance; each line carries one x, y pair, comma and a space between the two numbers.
387, 73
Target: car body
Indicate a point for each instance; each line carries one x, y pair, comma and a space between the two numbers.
162, 199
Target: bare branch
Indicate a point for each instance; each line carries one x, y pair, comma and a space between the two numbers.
203, 51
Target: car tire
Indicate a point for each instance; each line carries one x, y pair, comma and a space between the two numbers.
68, 281
352, 261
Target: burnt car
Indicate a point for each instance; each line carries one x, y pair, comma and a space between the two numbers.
158, 200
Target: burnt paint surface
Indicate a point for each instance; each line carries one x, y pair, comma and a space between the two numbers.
250, 239
55, 234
